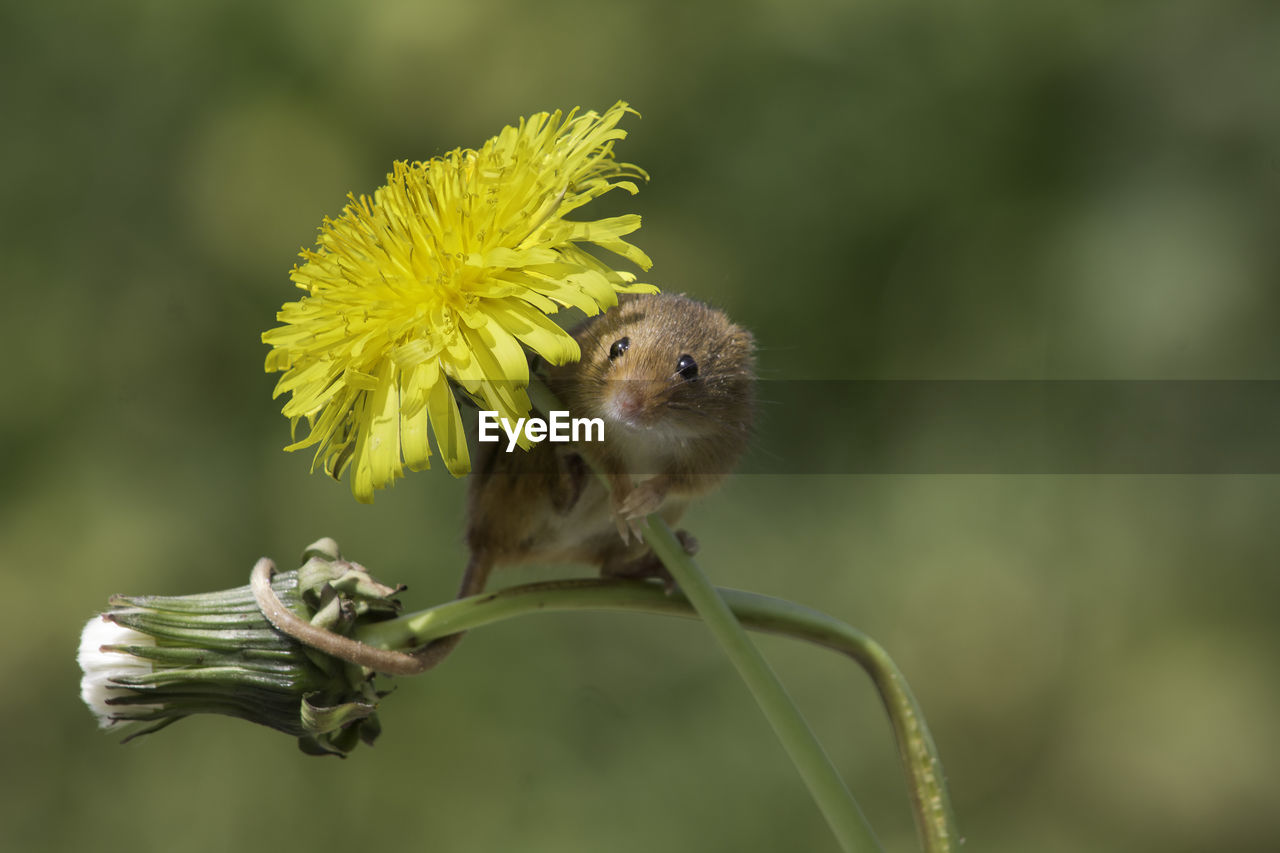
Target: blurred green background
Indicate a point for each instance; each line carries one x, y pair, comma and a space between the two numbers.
881, 190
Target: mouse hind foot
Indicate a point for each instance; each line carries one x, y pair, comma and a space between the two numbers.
647, 565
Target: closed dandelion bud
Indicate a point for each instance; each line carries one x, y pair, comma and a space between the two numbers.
152, 660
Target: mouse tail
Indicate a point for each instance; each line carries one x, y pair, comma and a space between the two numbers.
474, 579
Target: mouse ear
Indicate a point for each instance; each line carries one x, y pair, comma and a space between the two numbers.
738, 345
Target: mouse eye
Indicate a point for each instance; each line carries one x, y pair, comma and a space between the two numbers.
620, 346
687, 367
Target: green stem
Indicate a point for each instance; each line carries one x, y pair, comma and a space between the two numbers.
825, 785
927, 786
820, 775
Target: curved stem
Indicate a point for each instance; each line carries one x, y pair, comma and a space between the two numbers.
811, 760
825, 785
930, 800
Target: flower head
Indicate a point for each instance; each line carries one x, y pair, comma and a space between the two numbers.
152, 660
441, 276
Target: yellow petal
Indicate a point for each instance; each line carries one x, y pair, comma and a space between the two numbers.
535, 331
383, 427
413, 438
362, 484
446, 424
415, 386
503, 364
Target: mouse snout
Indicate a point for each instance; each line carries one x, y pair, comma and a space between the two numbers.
630, 402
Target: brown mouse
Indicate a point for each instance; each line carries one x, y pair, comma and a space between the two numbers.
673, 381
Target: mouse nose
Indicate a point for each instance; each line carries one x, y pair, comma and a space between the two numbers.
629, 402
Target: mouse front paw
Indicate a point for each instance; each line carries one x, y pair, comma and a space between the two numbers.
627, 528
644, 499
640, 502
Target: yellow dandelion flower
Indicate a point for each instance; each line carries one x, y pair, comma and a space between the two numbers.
439, 278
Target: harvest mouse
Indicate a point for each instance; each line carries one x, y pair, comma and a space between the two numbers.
673, 381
